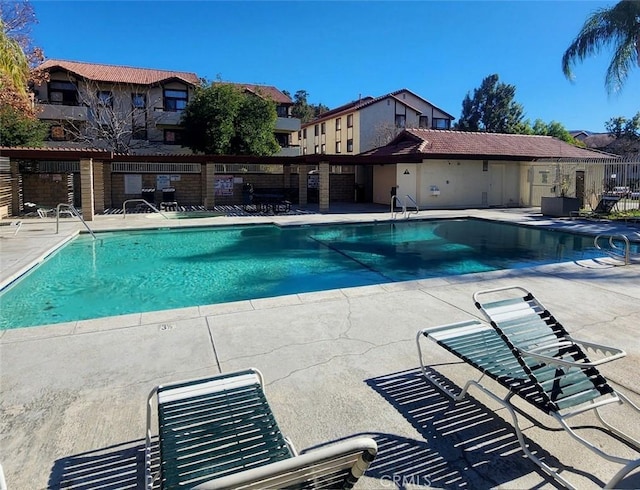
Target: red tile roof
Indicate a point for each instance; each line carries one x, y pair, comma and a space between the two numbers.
367, 101
119, 74
461, 143
266, 91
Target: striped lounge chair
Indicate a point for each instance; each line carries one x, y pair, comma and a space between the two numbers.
219, 432
527, 351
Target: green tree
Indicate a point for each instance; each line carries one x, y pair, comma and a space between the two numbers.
18, 56
18, 129
492, 109
14, 70
617, 27
221, 119
627, 135
555, 129
303, 110
621, 127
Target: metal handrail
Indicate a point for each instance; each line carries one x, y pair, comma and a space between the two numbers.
124, 207
414, 203
75, 213
614, 250
395, 198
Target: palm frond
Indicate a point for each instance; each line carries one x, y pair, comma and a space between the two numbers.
621, 64
618, 27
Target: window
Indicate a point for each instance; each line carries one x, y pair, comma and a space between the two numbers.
350, 146
172, 136
304, 150
57, 132
282, 110
105, 98
139, 133
338, 147
315, 149
175, 100
423, 122
440, 123
401, 121
323, 148
350, 121
485, 165
338, 124
304, 133
323, 128
299, 135
139, 101
315, 131
63, 93
282, 139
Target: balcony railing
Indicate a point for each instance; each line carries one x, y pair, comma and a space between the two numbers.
66, 112
166, 118
288, 124
289, 151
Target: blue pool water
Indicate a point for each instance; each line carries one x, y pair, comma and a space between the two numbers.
136, 271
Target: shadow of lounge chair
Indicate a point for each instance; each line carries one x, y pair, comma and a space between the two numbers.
219, 432
527, 351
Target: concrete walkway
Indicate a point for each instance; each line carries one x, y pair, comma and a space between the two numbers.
337, 363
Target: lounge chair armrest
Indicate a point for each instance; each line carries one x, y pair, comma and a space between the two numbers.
353, 456
608, 354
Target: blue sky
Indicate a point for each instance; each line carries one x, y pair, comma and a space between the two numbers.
337, 51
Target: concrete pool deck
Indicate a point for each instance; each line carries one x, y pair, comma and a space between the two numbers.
336, 364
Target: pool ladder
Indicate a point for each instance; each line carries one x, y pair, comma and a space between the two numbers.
403, 205
614, 250
74, 212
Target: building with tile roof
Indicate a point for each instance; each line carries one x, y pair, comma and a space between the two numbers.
119, 108
457, 169
370, 122
132, 109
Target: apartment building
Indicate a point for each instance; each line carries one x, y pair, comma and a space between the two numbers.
132, 110
114, 107
369, 122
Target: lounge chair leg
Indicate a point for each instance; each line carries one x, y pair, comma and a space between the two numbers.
516, 426
613, 483
623, 435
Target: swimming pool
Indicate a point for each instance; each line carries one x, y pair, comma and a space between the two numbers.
136, 271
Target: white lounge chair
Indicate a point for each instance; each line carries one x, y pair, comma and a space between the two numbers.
527, 351
219, 432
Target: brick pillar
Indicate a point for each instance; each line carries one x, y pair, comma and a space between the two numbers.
98, 187
208, 181
86, 186
286, 175
15, 187
302, 184
323, 191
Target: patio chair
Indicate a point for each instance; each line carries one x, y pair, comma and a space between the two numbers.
603, 208
219, 432
528, 352
169, 199
13, 226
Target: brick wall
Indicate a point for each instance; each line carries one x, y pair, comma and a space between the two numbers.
342, 187
47, 190
188, 189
